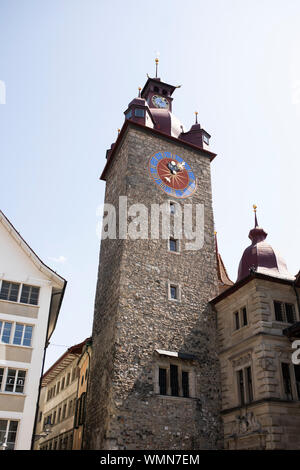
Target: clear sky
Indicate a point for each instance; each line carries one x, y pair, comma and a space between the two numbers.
72, 66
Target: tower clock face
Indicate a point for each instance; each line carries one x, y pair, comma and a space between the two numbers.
172, 174
160, 102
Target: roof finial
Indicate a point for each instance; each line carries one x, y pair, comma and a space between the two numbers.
255, 217
156, 65
196, 114
119, 131
139, 91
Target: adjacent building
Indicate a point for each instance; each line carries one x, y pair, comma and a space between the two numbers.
58, 402
30, 299
256, 319
83, 381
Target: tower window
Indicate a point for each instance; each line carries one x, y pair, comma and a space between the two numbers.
174, 292
185, 384
128, 115
174, 380
172, 208
173, 245
139, 112
156, 89
165, 92
237, 320
162, 381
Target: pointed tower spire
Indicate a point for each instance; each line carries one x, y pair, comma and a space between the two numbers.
196, 120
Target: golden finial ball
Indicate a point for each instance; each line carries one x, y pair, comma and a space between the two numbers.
254, 207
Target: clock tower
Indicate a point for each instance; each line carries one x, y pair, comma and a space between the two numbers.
154, 378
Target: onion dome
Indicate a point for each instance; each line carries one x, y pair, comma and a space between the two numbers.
260, 257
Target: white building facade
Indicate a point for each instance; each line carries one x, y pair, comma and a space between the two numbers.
30, 299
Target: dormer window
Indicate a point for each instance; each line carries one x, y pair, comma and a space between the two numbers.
128, 115
139, 112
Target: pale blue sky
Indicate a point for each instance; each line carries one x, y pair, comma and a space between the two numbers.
70, 69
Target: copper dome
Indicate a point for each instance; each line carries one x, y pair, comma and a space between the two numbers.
261, 257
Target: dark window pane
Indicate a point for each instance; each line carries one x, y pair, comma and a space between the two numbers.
278, 311
185, 384
11, 435
289, 310
1, 376
162, 381
9, 291
20, 381
297, 377
34, 295
245, 320
173, 244
10, 380
128, 115
237, 320
174, 380
172, 208
29, 295
286, 380
4, 290
173, 291
249, 384
240, 377
25, 294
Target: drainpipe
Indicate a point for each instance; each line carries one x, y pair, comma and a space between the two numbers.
89, 343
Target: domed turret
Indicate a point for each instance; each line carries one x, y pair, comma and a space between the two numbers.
261, 257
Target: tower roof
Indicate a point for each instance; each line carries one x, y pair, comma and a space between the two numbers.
261, 257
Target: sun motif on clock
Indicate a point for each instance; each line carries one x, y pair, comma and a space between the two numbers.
172, 174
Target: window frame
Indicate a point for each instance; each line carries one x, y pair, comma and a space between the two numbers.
20, 289
16, 378
283, 304
182, 366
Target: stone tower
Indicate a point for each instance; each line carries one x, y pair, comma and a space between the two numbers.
154, 380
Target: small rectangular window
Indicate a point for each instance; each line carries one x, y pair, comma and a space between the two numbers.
185, 384
237, 320
29, 295
286, 380
205, 139
173, 244
172, 208
128, 115
174, 380
244, 315
162, 381
139, 112
9, 291
297, 378
1, 377
289, 310
278, 311
173, 292
249, 384
240, 377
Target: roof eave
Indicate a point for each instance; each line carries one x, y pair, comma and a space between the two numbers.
128, 123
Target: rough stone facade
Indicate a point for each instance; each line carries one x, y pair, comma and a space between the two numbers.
134, 318
271, 420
